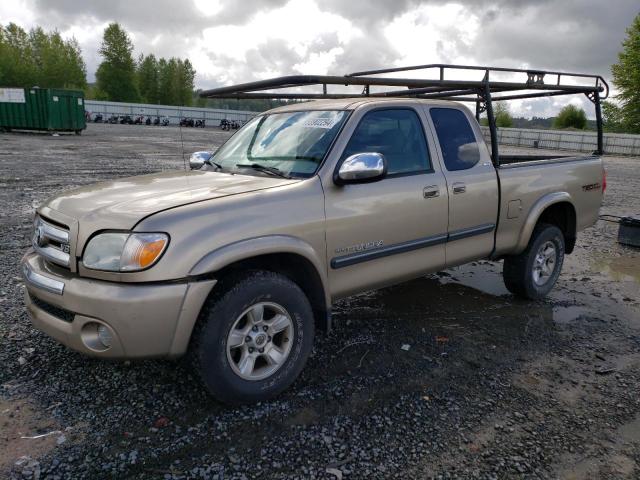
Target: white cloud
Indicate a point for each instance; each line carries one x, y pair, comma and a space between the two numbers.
433, 33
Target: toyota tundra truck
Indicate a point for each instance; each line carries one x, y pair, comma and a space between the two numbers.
239, 260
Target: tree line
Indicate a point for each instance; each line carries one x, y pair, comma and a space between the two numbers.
148, 80
44, 59
569, 116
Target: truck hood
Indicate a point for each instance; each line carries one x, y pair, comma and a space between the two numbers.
124, 202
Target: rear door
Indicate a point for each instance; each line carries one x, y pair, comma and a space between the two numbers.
472, 184
393, 229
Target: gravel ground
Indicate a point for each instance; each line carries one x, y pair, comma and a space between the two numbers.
491, 387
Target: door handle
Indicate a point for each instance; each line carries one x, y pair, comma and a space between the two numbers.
459, 187
431, 191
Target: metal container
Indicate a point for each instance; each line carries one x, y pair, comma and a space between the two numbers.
46, 109
629, 231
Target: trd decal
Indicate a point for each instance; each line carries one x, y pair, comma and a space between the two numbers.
360, 247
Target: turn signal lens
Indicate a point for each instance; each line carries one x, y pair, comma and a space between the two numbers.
124, 252
142, 250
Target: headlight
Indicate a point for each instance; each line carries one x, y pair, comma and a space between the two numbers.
124, 252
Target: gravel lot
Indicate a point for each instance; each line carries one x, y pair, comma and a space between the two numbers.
491, 387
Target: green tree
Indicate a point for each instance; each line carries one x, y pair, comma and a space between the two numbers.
39, 59
175, 81
58, 62
17, 68
147, 78
116, 75
76, 69
167, 73
571, 117
186, 77
626, 77
502, 115
612, 117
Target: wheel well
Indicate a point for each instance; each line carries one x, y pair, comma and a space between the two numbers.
563, 216
299, 270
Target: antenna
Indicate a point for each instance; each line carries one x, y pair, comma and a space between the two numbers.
184, 160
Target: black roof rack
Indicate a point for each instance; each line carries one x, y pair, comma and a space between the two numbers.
445, 86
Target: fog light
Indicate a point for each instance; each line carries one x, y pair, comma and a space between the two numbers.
104, 335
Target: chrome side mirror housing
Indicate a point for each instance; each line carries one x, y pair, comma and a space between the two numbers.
362, 168
198, 159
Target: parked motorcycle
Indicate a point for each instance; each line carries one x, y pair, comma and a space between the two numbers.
156, 121
126, 120
113, 119
224, 124
139, 120
187, 122
147, 121
165, 121
200, 123
97, 118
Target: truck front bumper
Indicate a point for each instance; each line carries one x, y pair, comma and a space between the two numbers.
137, 320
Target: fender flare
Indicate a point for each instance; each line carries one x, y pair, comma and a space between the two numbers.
264, 245
534, 215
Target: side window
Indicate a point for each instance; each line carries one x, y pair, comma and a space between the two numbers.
457, 141
395, 133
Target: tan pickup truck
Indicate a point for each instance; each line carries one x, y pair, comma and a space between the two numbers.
239, 260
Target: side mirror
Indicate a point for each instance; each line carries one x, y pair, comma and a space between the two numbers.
197, 159
362, 168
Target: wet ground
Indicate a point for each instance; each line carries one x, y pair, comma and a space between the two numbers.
490, 386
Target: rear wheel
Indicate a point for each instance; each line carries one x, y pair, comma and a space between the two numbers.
253, 338
533, 273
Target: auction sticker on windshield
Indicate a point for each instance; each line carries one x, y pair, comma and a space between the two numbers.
321, 122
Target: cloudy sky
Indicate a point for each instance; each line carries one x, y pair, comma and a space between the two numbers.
231, 41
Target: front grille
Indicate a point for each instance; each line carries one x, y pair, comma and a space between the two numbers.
51, 241
57, 312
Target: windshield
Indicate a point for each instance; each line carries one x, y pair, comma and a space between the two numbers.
292, 144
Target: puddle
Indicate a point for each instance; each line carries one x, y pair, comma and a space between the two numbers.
621, 269
483, 276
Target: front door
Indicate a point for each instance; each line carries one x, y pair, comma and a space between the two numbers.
393, 229
472, 185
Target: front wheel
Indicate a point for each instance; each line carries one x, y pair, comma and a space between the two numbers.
253, 338
533, 273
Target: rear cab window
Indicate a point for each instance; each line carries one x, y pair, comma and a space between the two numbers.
396, 133
460, 150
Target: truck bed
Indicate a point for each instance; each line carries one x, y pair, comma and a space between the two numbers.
525, 179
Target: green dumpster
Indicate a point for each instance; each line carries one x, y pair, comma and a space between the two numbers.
49, 109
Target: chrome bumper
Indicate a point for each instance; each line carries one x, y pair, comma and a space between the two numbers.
41, 281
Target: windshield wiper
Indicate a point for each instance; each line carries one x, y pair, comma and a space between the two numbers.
290, 159
262, 168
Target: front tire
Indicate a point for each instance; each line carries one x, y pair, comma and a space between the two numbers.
533, 273
253, 337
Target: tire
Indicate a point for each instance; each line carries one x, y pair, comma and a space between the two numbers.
231, 316
533, 273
